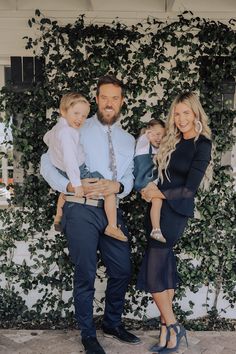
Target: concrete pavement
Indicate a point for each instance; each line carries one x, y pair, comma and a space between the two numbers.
68, 342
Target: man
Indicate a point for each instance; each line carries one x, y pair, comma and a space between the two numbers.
84, 224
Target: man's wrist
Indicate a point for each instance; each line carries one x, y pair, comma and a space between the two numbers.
121, 188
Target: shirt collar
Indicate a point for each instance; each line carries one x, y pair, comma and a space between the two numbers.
105, 127
63, 121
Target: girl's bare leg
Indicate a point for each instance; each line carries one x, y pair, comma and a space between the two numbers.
155, 214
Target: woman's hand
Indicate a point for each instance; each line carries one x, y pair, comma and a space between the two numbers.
151, 186
147, 194
151, 191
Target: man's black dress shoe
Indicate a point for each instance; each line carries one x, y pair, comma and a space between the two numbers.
92, 346
121, 334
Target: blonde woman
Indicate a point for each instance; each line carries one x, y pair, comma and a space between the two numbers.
183, 158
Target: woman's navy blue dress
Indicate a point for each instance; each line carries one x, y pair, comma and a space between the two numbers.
186, 169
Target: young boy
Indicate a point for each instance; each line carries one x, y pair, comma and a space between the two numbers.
66, 153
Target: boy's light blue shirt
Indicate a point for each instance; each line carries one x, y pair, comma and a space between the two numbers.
95, 142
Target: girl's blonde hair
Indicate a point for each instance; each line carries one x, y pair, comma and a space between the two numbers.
70, 99
173, 134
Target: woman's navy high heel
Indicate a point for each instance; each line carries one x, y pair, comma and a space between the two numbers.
180, 333
156, 348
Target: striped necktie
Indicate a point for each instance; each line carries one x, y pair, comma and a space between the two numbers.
112, 158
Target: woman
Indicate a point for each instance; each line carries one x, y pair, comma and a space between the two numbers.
182, 159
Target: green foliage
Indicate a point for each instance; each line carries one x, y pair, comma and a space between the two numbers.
156, 60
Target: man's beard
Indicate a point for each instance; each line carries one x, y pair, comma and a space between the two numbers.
110, 121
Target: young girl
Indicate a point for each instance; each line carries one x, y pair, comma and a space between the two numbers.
145, 170
66, 153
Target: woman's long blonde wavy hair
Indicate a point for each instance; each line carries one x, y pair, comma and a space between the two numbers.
173, 134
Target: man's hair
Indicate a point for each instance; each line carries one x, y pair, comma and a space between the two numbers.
70, 99
108, 79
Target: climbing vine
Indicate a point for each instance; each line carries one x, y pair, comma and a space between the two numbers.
156, 61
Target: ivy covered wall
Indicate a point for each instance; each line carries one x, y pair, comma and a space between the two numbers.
156, 60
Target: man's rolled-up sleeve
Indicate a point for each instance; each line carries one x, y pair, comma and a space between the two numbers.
52, 176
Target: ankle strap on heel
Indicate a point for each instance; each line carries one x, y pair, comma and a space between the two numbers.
175, 327
180, 333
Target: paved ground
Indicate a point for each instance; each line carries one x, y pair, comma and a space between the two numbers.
68, 342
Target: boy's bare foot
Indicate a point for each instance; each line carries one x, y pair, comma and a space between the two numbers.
57, 223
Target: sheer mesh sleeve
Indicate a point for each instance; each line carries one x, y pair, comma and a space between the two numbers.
181, 199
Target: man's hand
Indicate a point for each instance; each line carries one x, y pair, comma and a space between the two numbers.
85, 183
100, 188
79, 192
97, 188
69, 188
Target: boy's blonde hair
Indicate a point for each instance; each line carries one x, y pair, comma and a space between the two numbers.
70, 99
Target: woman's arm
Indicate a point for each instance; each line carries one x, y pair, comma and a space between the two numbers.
195, 174
181, 199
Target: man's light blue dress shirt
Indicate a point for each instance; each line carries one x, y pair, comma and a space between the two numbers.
95, 142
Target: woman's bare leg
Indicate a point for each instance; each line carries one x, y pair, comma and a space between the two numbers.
164, 302
163, 333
